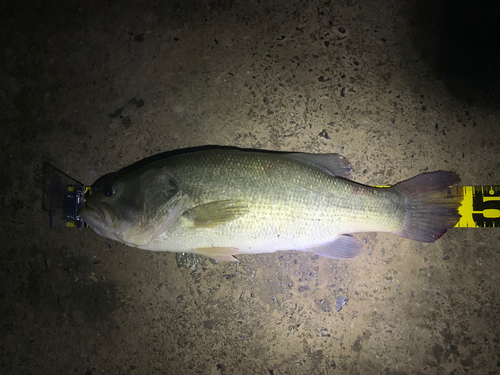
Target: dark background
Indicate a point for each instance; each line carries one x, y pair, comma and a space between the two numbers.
399, 88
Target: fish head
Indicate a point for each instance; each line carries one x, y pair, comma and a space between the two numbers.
134, 209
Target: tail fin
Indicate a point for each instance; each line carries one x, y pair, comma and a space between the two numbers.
431, 206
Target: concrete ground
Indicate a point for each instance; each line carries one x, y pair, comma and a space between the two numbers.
399, 88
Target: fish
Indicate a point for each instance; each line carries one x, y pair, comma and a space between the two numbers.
223, 202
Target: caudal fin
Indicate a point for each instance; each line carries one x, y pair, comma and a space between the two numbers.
431, 206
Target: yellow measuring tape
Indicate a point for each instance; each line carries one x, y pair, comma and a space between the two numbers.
480, 207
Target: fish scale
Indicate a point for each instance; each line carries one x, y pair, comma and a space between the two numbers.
313, 209
225, 202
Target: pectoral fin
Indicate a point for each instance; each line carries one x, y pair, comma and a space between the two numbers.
213, 214
222, 253
344, 247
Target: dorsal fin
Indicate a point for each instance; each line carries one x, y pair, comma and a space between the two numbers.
333, 163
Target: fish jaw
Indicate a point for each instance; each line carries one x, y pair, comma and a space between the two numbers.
103, 223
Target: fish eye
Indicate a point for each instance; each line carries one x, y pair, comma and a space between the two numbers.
109, 190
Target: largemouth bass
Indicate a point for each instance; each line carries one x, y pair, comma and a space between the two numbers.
221, 202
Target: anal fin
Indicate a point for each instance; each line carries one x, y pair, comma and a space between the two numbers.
344, 247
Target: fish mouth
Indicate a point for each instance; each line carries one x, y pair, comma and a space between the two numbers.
92, 216
104, 212
96, 219
96, 216
102, 220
